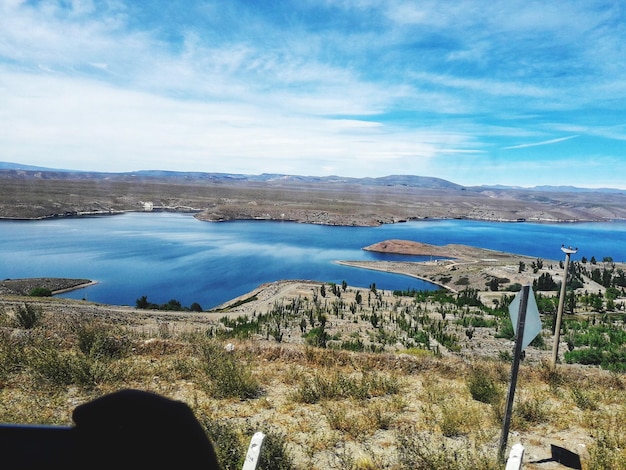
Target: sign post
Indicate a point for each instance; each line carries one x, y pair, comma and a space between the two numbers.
559, 314
525, 332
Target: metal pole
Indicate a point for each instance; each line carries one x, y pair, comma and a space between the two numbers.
519, 338
559, 313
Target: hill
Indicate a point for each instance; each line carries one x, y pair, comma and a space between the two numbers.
345, 392
36, 194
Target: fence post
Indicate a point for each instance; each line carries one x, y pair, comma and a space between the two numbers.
515, 457
254, 451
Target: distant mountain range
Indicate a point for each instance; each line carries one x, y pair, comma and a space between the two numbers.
390, 180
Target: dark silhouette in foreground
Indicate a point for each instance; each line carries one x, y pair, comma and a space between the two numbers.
123, 430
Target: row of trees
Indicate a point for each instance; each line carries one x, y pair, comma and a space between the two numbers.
173, 305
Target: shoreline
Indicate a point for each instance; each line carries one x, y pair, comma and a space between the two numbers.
349, 222
76, 287
365, 265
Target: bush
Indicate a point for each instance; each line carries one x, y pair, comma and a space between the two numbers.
231, 445
65, 368
227, 377
482, 386
590, 356
100, 342
419, 451
40, 292
28, 316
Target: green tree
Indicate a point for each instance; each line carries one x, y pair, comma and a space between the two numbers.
545, 283
40, 292
142, 302
612, 293
570, 302
172, 304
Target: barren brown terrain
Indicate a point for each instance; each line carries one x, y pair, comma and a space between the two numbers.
31, 195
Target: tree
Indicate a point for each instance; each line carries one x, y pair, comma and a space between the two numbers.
142, 302
544, 283
195, 307
40, 292
570, 302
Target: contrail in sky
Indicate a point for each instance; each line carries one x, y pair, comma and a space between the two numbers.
545, 142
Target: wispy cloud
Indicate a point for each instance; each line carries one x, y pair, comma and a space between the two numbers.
536, 144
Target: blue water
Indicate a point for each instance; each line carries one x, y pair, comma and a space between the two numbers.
174, 256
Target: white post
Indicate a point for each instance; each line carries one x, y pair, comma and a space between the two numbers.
515, 457
254, 451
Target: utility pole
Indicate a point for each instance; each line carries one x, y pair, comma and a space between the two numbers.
559, 314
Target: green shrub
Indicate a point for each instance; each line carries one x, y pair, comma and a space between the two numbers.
231, 445
226, 441
482, 386
226, 376
317, 337
40, 292
583, 399
530, 411
590, 356
420, 451
339, 386
274, 452
11, 357
28, 316
63, 368
100, 342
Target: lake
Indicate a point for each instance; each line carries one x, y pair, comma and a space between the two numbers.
174, 256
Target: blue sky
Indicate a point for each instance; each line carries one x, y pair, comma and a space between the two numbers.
476, 92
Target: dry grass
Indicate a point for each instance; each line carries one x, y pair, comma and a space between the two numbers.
331, 408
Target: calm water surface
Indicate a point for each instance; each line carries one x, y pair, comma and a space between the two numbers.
174, 256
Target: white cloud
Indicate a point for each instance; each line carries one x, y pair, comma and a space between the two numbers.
392, 87
91, 126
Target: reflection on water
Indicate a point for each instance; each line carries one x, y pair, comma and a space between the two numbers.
174, 256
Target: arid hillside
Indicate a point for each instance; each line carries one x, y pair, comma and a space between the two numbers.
29, 195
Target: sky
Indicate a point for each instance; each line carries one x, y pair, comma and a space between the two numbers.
476, 92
